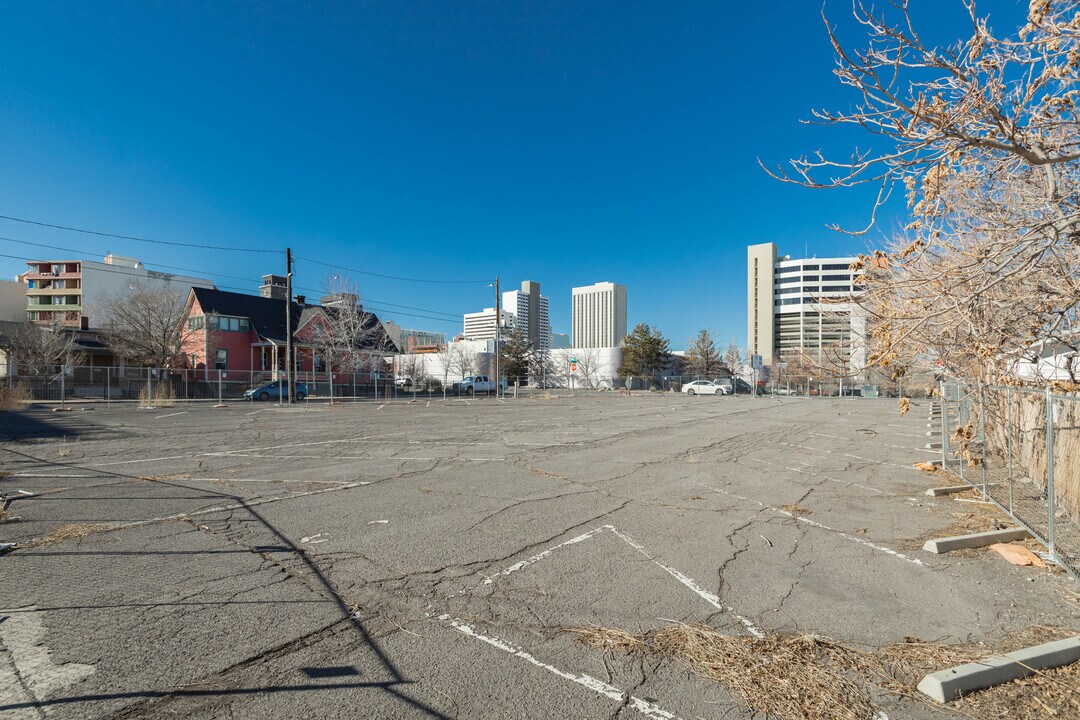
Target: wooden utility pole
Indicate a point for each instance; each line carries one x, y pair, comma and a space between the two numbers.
288, 328
498, 336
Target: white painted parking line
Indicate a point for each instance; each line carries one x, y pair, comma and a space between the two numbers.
811, 523
880, 444
51, 475
255, 412
182, 412
850, 455
143, 460
448, 458
540, 556
263, 480
232, 506
819, 475
682, 578
600, 687
694, 587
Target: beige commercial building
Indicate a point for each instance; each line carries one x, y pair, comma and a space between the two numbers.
799, 304
481, 325
72, 292
599, 315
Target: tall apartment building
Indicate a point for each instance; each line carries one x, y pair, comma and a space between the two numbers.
481, 325
530, 311
72, 290
800, 304
599, 315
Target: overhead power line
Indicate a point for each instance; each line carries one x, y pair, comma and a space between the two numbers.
138, 239
116, 271
390, 277
456, 317
381, 305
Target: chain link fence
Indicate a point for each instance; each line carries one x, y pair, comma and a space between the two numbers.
162, 386
1021, 448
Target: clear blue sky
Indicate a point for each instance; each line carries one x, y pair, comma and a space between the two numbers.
562, 142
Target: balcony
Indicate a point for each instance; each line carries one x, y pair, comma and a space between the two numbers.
45, 271
39, 291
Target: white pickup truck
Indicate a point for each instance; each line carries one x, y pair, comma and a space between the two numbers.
475, 384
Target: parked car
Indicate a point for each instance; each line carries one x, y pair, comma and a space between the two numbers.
476, 384
725, 385
403, 381
703, 387
276, 390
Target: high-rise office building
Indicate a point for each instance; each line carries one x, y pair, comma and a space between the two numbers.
530, 310
599, 315
802, 304
481, 325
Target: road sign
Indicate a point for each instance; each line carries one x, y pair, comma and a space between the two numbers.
573, 367
573, 361
755, 362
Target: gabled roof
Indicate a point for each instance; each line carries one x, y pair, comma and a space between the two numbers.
267, 315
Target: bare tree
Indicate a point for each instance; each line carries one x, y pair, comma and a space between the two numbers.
350, 337
147, 325
413, 367
42, 349
588, 362
984, 137
463, 360
445, 357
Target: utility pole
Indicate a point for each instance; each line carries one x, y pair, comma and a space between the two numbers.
288, 328
498, 336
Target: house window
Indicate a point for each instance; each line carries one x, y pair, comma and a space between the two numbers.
221, 359
264, 358
196, 323
318, 363
230, 324
194, 360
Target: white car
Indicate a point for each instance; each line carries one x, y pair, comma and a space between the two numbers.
703, 387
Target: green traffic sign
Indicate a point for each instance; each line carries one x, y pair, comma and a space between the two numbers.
573, 360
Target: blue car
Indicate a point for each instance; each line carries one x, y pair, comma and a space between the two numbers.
275, 391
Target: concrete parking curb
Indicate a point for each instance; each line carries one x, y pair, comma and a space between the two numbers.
975, 540
947, 685
950, 490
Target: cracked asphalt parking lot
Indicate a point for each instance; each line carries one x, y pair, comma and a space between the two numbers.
420, 560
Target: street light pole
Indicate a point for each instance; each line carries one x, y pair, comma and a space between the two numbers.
498, 337
288, 329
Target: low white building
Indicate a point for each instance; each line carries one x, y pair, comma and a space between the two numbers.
567, 367
1047, 361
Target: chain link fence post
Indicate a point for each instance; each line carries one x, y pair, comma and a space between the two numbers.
982, 435
1008, 445
1050, 471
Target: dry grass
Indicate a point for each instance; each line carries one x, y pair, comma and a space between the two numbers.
14, 397
795, 677
162, 395
964, 519
795, 509
71, 531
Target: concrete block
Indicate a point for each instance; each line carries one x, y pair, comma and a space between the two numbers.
932, 446
962, 542
950, 490
947, 685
